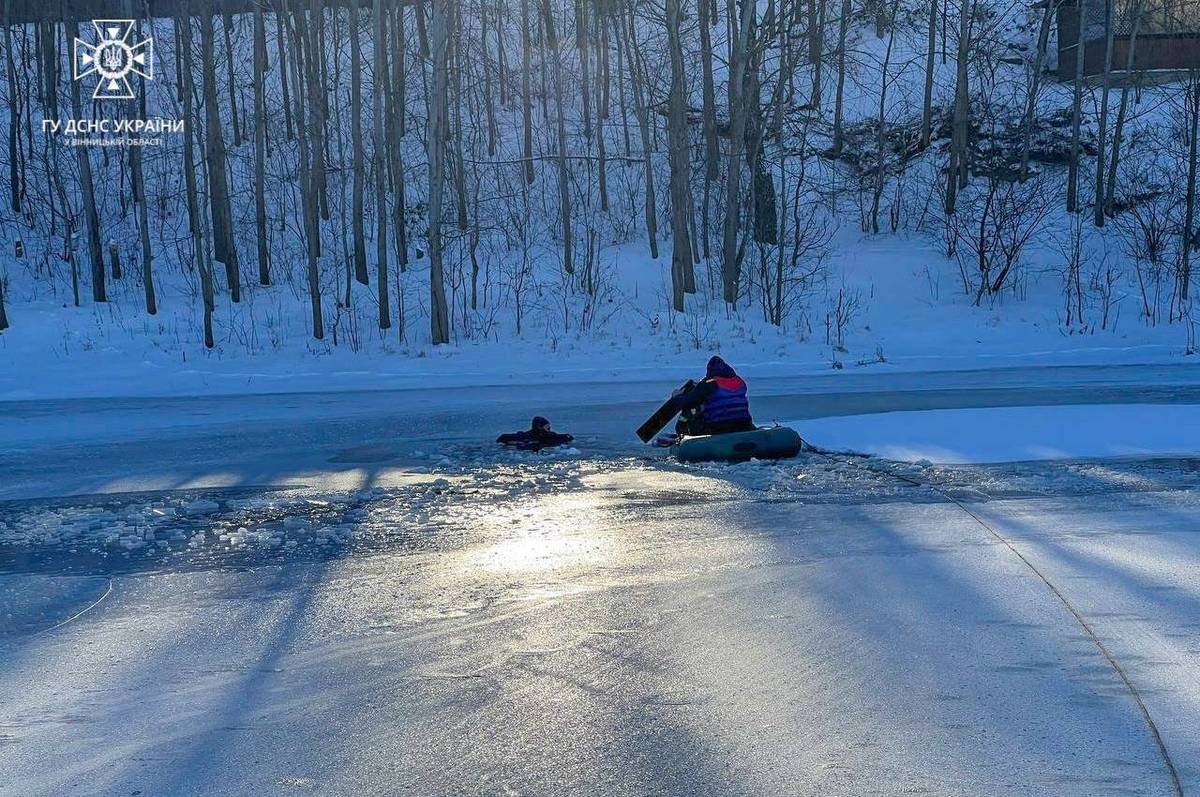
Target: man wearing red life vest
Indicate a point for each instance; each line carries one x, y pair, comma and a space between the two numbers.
715, 405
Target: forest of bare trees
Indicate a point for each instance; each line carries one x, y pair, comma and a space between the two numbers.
499, 154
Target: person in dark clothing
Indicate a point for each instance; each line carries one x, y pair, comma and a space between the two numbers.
538, 436
715, 405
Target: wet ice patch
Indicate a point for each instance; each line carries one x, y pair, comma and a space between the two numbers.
238, 528
1014, 434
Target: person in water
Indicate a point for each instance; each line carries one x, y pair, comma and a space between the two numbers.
538, 436
717, 404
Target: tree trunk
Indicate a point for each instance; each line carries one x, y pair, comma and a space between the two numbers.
1035, 84
3, 314
396, 98
143, 214
49, 66
1122, 108
564, 194
459, 167
304, 78
195, 216
357, 222
435, 139
86, 186
957, 169
493, 131
1076, 113
839, 96
526, 100
283, 75
881, 128
581, 44
379, 153
227, 30
14, 121
318, 108
1184, 275
1102, 133
602, 114
677, 134
224, 246
930, 50
815, 34
643, 117
183, 26
763, 205
712, 150
817, 56
730, 265
260, 148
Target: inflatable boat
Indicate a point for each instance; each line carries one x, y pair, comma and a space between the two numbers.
774, 442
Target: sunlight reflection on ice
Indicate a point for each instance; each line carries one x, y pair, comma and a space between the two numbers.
546, 533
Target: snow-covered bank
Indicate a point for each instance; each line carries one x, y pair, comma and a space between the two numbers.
908, 318
1012, 434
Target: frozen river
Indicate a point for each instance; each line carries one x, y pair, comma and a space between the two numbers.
355, 593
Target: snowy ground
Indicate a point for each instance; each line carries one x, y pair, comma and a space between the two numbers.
904, 287
354, 593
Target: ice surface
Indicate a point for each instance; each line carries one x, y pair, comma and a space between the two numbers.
1004, 434
287, 606
634, 627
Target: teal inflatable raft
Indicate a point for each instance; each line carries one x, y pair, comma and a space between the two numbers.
775, 442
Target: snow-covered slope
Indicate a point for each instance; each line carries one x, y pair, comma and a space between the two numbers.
853, 300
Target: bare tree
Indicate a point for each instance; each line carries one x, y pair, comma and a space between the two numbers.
712, 152
380, 166
564, 192
526, 100
816, 52
3, 314
1102, 133
994, 228
1076, 110
1035, 82
956, 172
643, 117
1191, 115
139, 197
224, 245
881, 128
930, 50
305, 80
439, 318
260, 149
14, 120
358, 165
1110, 190
677, 132
280, 38
738, 56
397, 127
840, 94
87, 188
197, 222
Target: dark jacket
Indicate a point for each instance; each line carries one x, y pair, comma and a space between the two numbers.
718, 403
534, 439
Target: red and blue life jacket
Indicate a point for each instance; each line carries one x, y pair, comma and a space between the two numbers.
729, 403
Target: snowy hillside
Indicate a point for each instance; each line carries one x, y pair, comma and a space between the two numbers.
309, 150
